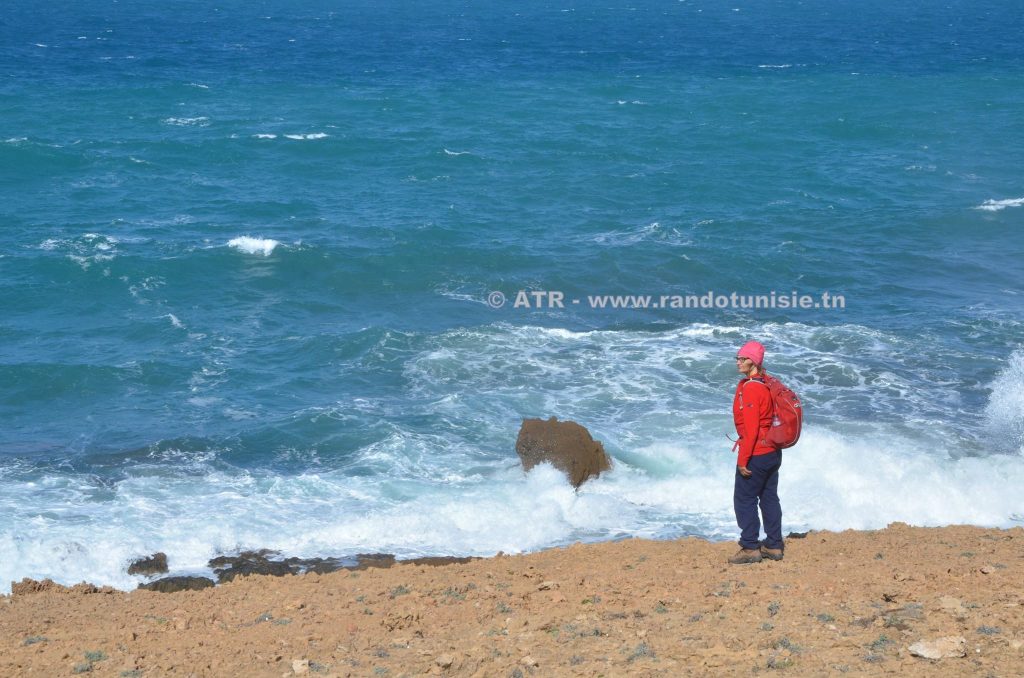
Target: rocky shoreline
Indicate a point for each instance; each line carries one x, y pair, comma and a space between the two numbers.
913, 601
261, 562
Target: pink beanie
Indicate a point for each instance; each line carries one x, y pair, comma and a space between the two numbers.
752, 350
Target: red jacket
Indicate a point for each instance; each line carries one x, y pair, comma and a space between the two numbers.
752, 411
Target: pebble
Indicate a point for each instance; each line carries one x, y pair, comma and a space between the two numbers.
940, 648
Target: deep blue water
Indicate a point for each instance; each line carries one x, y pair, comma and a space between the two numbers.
247, 248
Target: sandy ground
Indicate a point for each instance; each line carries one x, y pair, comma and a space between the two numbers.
850, 602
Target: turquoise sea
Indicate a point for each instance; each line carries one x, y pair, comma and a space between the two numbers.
248, 248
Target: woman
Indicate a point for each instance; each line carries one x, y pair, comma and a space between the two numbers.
758, 462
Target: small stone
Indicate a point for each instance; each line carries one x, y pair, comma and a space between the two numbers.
987, 570
300, 666
547, 586
528, 661
444, 661
940, 648
954, 606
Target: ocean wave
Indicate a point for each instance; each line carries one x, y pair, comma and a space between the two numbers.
306, 137
201, 121
424, 495
264, 136
85, 250
653, 232
250, 245
997, 205
1004, 412
638, 379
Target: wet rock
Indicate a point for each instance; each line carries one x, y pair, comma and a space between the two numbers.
172, 584
940, 648
314, 565
565, 444
149, 565
797, 535
248, 563
267, 562
367, 560
439, 561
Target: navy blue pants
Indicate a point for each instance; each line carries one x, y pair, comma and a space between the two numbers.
762, 487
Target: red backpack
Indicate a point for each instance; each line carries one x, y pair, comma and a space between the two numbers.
788, 416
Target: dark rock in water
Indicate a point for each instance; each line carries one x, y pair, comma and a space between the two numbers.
150, 565
225, 562
368, 560
438, 561
172, 584
249, 562
262, 562
314, 565
796, 535
567, 445
267, 562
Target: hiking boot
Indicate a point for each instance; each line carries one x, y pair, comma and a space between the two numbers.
745, 557
771, 554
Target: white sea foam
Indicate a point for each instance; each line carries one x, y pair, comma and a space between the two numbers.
653, 232
997, 205
15, 140
201, 121
474, 298
264, 136
199, 86
775, 66
1005, 409
251, 245
174, 320
85, 250
447, 152
303, 137
429, 495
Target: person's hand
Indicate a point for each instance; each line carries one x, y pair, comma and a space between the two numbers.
744, 471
